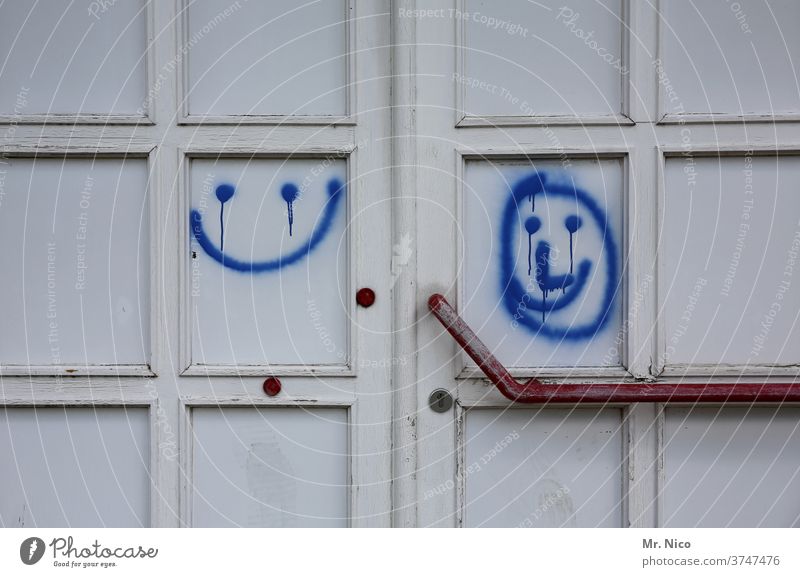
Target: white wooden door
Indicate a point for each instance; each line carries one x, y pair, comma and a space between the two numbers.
192, 194
606, 192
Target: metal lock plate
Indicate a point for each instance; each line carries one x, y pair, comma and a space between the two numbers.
440, 401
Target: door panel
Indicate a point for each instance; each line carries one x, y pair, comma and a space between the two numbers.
558, 76
77, 236
271, 467
75, 467
75, 61
282, 43
278, 293
542, 468
543, 241
748, 68
731, 467
734, 234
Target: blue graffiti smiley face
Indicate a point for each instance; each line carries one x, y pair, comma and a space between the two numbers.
289, 193
552, 301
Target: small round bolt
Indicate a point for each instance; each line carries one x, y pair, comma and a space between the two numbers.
272, 386
365, 297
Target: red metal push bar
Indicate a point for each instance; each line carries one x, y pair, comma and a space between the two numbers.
534, 391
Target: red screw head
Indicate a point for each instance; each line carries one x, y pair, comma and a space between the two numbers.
272, 386
365, 297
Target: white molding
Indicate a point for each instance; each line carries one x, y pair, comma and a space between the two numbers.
640, 224
641, 451
54, 147
744, 372
76, 370
93, 119
266, 120
470, 372
186, 443
659, 328
461, 467
710, 150
660, 473
405, 292
523, 151
191, 401
468, 120
281, 370
51, 401
726, 118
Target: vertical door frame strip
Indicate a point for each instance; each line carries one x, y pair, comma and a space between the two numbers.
404, 173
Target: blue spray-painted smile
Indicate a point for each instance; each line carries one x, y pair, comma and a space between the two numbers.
555, 291
335, 193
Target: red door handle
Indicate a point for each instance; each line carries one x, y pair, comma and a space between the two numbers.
534, 391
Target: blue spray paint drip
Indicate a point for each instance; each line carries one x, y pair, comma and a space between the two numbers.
224, 194
532, 224
335, 193
572, 224
290, 193
545, 280
533, 190
512, 291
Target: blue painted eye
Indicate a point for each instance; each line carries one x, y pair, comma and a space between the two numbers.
573, 223
289, 192
225, 192
532, 224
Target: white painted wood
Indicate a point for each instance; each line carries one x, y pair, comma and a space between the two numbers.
166, 389
82, 60
417, 172
366, 388
252, 61
730, 241
640, 499
405, 295
445, 137
642, 86
578, 68
543, 468
436, 209
77, 232
78, 467
734, 60
269, 467
363, 385
731, 467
